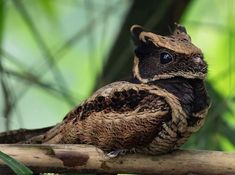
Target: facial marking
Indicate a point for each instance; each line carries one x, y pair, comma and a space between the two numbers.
162, 57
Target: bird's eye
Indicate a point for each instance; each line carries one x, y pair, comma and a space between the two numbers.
165, 57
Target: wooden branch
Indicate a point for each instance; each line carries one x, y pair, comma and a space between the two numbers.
85, 158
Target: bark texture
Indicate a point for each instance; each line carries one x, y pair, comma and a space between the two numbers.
84, 158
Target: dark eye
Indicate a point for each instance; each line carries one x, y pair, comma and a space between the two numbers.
165, 57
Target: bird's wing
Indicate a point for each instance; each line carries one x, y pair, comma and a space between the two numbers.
119, 115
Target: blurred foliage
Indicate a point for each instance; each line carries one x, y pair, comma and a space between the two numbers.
211, 26
53, 54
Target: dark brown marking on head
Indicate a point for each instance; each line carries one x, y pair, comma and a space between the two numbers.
72, 159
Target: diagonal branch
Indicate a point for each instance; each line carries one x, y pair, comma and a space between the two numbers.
61, 51
6, 96
42, 45
32, 79
5, 87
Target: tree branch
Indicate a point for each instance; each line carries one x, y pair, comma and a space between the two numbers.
85, 158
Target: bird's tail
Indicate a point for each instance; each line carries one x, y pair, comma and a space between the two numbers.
21, 135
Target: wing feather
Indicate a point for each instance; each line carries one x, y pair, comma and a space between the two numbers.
120, 115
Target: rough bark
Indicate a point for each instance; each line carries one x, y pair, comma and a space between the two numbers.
84, 158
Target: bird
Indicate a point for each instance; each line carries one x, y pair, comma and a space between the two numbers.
154, 112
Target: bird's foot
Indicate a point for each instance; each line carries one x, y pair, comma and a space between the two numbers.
117, 152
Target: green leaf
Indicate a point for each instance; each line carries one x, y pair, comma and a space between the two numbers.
16, 166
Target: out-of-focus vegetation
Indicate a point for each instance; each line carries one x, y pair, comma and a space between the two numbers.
212, 28
54, 54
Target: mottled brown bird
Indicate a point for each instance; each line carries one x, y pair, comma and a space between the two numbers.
155, 112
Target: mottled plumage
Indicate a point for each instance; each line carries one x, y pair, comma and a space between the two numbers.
154, 112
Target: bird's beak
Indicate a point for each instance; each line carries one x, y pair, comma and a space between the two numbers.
198, 60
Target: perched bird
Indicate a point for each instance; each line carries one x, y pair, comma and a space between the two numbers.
154, 112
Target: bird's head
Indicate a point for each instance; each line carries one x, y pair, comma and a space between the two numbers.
162, 57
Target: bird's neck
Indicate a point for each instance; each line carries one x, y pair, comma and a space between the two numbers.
191, 92
200, 94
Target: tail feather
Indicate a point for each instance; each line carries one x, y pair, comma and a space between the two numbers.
52, 135
21, 135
